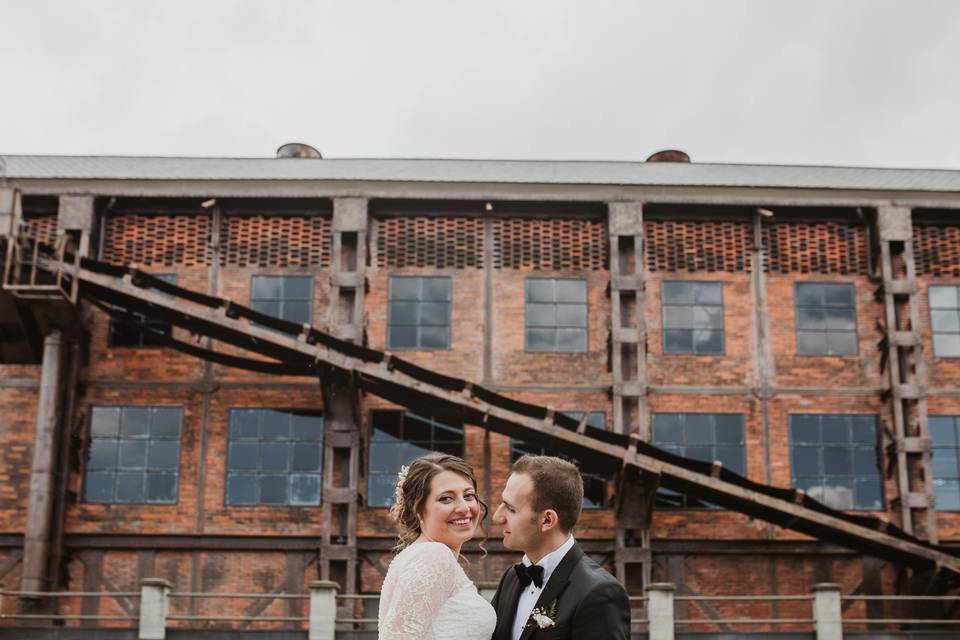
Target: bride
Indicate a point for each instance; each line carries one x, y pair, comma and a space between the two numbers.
426, 595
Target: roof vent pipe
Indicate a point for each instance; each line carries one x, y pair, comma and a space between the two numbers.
297, 150
669, 155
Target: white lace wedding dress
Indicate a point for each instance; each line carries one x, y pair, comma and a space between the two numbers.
427, 596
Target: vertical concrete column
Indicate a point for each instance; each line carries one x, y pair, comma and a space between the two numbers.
154, 606
323, 610
40, 505
660, 610
827, 614
9, 211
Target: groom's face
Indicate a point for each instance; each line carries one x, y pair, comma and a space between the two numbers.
521, 526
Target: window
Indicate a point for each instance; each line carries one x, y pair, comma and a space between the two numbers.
826, 319
594, 483
945, 451
692, 317
396, 438
285, 297
134, 455
275, 457
556, 315
419, 313
836, 460
700, 436
945, 320
150, 334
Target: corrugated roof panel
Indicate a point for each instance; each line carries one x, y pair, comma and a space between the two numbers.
478, 171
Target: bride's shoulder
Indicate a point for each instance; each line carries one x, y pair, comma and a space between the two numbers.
428, 550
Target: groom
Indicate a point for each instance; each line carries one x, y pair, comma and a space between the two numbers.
556, 591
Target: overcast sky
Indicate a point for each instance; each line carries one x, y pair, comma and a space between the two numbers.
836, 82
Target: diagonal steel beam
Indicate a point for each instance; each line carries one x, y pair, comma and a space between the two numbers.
381, 378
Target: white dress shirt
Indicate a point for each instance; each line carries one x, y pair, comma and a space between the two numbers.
530, 595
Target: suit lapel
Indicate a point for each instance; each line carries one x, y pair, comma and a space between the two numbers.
559, 580
507, 608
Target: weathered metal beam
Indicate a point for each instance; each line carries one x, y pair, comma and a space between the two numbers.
380, 376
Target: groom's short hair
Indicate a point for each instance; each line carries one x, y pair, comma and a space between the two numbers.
557, 485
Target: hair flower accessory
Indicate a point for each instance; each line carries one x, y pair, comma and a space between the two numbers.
398, 490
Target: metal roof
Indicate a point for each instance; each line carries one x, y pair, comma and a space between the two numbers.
478, 171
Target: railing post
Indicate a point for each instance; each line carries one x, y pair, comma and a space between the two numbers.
154, 606
827, 615
660, 610
323, 610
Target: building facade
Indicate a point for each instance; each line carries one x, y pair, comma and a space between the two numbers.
799, 325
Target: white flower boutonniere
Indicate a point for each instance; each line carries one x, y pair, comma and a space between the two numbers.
543, 617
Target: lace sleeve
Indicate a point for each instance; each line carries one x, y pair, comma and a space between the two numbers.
422, 586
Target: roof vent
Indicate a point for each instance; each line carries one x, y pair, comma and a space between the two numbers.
297, 150
669, 155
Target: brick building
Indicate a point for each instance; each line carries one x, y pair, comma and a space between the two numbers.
800, 325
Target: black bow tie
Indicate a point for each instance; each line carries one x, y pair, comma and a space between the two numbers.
526, 575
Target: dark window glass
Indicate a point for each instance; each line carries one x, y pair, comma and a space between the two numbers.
556, 315
826, 316
945, 320
285, 297
418, 316
274, 457
945, 456
700, 436
145, 332
693, 317
396, 438
594, 480
835, 459
133, 455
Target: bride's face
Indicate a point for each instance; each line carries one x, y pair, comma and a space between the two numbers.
451, 512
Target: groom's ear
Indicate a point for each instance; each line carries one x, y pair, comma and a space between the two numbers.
549, 520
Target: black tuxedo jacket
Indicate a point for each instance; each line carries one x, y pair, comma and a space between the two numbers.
590, 603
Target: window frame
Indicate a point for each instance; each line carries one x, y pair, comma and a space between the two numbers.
526, 323
434, 423
290, 440
419, 301
706, 506
955, 448
170, 278
933, 332
796, 319
663, 319
521, 445
309, 300
850, 445
117, 469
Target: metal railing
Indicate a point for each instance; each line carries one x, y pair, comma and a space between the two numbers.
655, 612
25, 276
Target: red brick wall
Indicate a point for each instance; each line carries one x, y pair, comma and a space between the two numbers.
688, 250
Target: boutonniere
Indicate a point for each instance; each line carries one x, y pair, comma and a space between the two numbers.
543, 617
